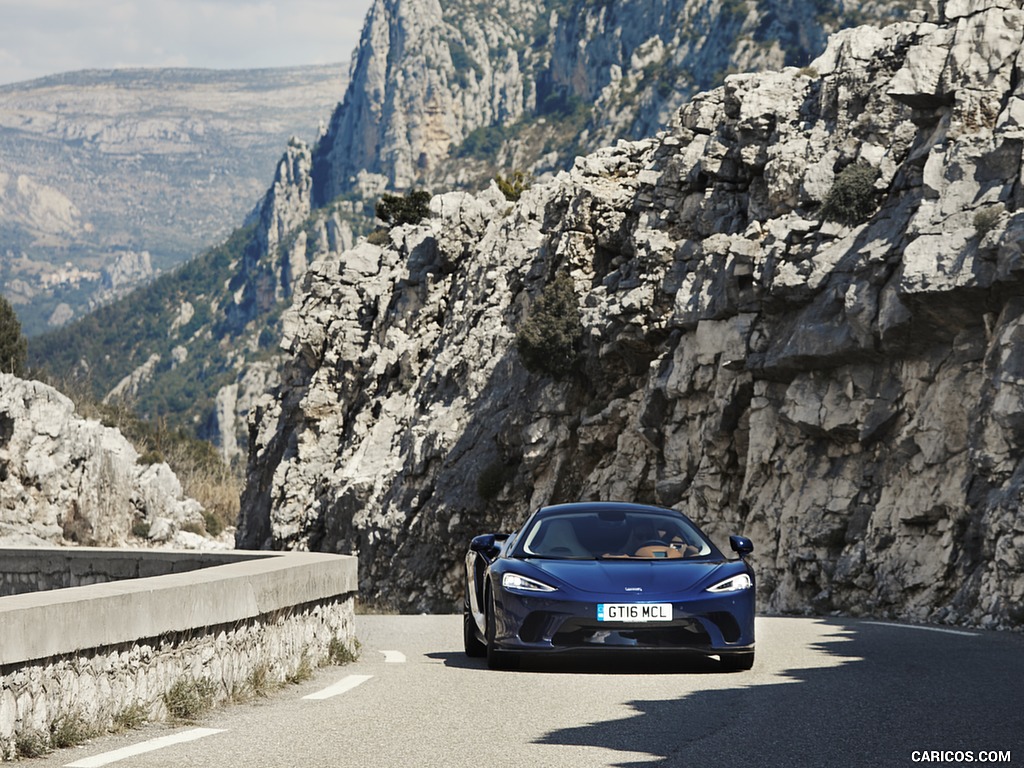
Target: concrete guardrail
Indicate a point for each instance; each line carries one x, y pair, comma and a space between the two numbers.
91, 652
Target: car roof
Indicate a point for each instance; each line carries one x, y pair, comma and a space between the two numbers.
596, 507
603, 506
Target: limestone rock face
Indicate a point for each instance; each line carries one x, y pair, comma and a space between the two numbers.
444, 95
536, 83
64, 479
848, 393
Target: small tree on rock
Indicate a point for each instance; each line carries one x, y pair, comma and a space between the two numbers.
13, 347
412, 208
851, 200
513, 186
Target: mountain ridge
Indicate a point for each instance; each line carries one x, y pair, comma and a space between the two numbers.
154, 163
594, 73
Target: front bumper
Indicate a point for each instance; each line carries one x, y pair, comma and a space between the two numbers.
709, 624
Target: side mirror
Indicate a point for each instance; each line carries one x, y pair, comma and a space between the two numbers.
741, 545
488, 545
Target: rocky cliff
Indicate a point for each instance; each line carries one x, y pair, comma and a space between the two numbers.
441, 93
800, 314
69, 480
444, 93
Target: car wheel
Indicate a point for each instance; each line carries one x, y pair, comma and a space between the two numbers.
470, 642
496, 659
737, 662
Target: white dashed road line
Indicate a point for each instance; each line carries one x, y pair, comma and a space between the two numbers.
340, 687
147, 746
926, 629
393, 657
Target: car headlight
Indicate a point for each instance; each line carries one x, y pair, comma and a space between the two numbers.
733, 584
524, 584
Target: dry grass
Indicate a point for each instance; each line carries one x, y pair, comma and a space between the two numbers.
211, 482
131, 717
340, 653
190, 699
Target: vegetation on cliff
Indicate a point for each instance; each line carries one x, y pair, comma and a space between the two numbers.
13, 347
549, 338
192, 305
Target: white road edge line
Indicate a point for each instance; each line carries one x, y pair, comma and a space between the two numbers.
146, 746
340, 687
393, 657
925, 629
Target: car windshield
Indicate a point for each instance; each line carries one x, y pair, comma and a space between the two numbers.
613, 535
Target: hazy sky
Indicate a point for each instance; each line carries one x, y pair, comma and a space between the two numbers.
43, 37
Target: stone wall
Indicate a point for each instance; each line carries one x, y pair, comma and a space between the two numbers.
101, 685
89, 655
23, 571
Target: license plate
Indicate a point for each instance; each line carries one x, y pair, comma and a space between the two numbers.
634, 612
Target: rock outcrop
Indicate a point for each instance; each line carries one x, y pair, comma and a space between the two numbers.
64, 480
845, 389
444, 93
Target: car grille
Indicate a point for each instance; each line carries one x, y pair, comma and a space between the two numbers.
587, 632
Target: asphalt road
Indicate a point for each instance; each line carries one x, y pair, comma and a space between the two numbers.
823, 692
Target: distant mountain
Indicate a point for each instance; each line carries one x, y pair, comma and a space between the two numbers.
109, 177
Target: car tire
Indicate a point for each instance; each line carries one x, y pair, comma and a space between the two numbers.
737, 662
470, 642
496, 658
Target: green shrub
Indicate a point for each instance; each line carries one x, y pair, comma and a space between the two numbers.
140, 528
152, 457
986, 219
851, 200
259, 680
411, 208
548, 340
340, 653
379, 237
303, 672
463, 63
69, 731
483, 143
13, 346
131, 717
213, 524
513, 186
31, 744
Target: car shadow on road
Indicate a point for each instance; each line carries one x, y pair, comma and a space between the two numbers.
872, 696
598, 664
458, 660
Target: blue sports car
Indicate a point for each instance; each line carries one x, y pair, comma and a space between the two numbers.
602, 576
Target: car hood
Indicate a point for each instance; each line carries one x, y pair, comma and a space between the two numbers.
636, 579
